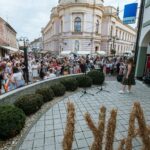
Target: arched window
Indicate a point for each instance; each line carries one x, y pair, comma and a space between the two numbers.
77, 24
97, 26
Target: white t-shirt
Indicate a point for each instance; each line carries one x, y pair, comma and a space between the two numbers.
52, 75
17, 76
34, 66
107, 65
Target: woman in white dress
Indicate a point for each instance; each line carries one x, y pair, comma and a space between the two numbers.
35, 71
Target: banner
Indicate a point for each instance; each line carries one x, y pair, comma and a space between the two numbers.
130, 12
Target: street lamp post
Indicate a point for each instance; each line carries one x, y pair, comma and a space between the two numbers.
25, 47
113, 40
140, 21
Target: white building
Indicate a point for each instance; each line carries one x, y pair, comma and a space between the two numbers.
37, 44
116, 35
84, 27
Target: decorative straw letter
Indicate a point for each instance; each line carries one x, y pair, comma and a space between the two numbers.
69, 130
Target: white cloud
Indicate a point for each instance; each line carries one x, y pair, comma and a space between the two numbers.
29, 16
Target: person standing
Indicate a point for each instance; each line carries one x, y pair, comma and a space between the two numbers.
17, 78
83, 65
30, 74
35, 71
52, 74
1, 80
128, 79
42, 70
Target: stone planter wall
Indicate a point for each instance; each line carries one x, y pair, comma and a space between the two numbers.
12, 96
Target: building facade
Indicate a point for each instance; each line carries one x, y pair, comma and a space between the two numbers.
85, 27
143, 61
37, 45
115, 35
7, 37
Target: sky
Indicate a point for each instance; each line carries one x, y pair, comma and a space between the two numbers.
27, 17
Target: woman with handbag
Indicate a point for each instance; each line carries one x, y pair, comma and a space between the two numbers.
128, 79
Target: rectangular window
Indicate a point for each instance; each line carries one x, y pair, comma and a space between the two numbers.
111, 31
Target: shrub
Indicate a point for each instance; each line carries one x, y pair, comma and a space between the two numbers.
70, 84
12, 120
47, 94
97, 77
58, 89
84, 81
30, 103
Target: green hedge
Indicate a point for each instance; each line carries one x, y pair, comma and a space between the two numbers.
58, 89
12, 120
97, 77
70, 84
47, 94
84, 81
29, 103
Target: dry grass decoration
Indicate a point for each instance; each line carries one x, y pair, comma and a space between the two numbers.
98, 131
143, 131
69, 130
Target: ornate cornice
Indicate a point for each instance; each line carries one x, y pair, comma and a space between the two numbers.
87, 5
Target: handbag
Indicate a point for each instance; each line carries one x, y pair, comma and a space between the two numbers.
119, 78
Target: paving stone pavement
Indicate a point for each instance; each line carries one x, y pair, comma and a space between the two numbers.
47, 133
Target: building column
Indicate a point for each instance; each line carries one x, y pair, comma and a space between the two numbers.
140, 66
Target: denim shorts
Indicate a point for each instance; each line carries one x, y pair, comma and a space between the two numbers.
20, 83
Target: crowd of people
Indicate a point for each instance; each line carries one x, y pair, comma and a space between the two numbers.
13, 71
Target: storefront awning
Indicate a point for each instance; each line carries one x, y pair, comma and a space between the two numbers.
102, 53
65, 52
10, 48
83, 52
43, 52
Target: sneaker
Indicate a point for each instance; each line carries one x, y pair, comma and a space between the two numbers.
121, 92
128, 91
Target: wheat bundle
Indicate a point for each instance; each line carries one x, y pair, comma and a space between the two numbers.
131, 130
98, 132
144, 132
70, 126
110, 134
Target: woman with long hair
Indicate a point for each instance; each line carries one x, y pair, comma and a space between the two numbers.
128, 79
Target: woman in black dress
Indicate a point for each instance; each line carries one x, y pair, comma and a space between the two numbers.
42, 70
128, 79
